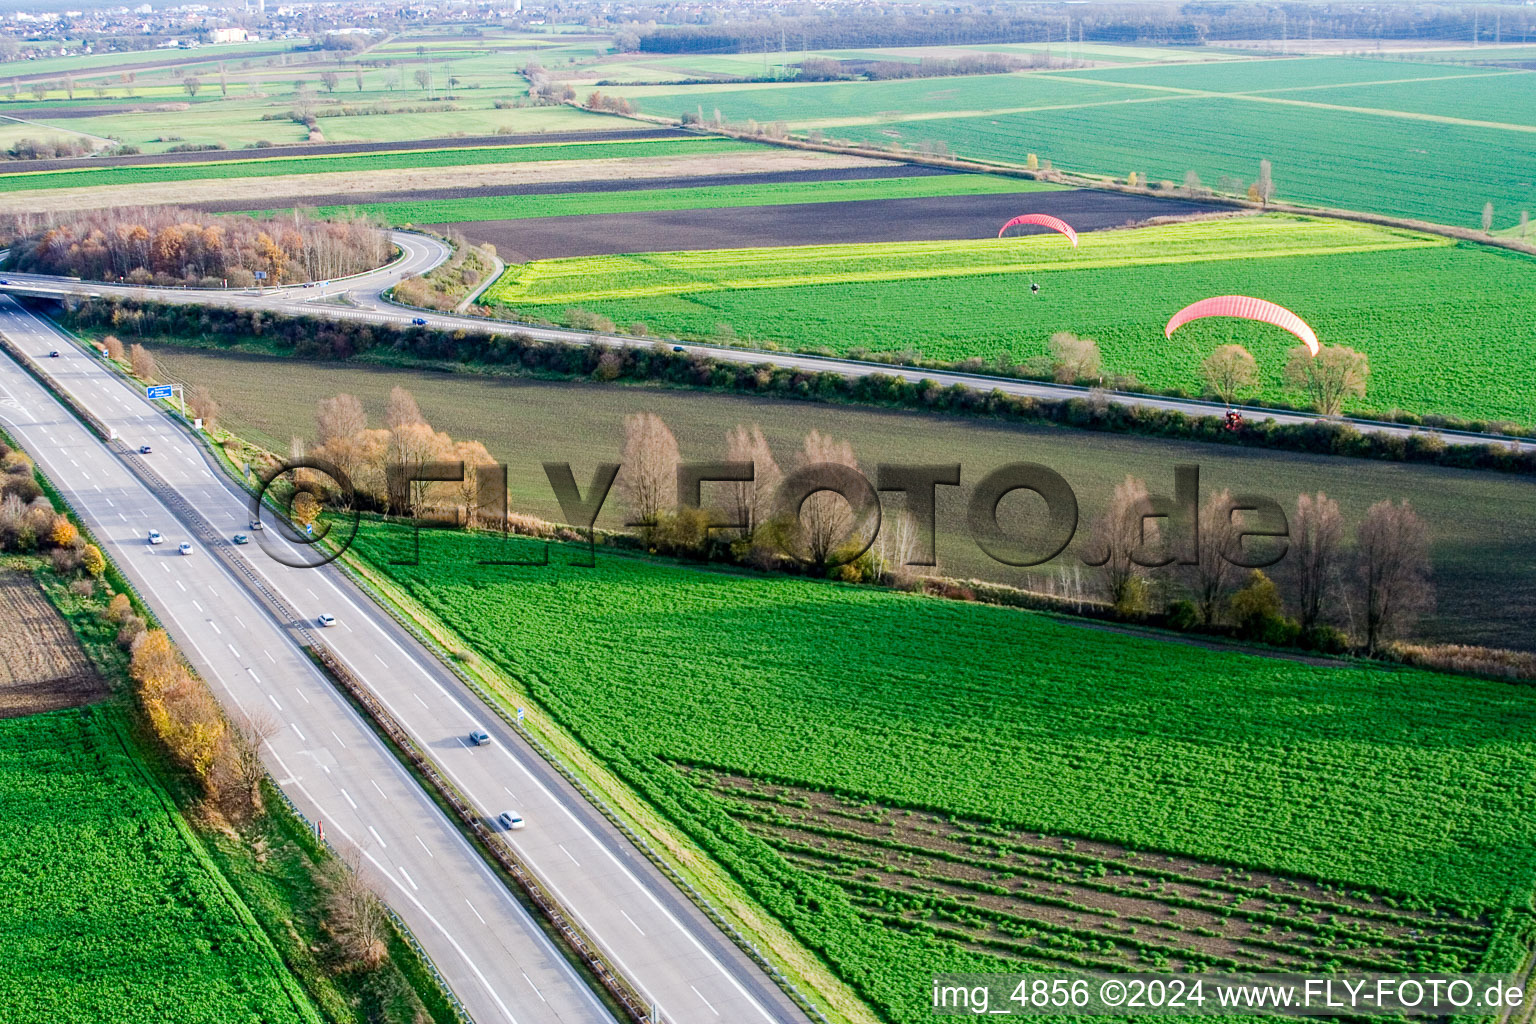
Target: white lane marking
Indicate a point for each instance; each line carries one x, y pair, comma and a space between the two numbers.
574, 860
339, 743
419, 700
301, 694
122, 517
382, 661
109, 502
382, 844
269, 655
472, 910
349, 797
274, 702
199, 608
215, 625
424, 847
215, 593
631, 921
381, 792
705, 1001
232, 649
238, 621
182, 586
296, 729
408, 879
527, 979
509, 793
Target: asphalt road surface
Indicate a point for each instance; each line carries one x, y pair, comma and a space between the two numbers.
363, 300
495, 958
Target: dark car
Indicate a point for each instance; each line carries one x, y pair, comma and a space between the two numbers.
4, 281
241, 538
419, 321
677, 348
54, 354
144, 449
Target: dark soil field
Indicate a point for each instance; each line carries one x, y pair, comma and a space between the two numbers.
1482, 551
42, 666
605, 185
749, 227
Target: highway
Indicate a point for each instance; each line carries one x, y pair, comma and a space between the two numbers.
496, 959
361, 298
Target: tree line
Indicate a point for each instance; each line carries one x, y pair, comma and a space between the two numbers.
166, 245
1169, 23
311, 337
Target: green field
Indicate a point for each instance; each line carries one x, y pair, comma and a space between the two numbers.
258, 167
1218, 119
113, 910
570, 204
1443, 323
1410, 793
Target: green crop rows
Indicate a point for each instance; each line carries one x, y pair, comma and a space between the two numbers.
1396, 782
407, 159
112, 911
443, 211
1446, 326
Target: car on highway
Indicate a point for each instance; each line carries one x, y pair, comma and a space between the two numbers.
480, 738
145, 449
184, 548
419, 321
509, 820
54, 354
327, 620
677, 348
155, 538
256, 525
241, 538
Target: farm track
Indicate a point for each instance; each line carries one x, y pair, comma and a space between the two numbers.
932, 218
42, 666
1085, 902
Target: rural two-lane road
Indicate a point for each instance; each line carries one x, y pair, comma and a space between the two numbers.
361, 298
495, 957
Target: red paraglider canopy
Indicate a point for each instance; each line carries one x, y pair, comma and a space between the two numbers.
1045, 220
1245, 308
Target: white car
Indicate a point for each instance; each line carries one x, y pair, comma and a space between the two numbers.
509, 820
327, 620
155, 538
184, 548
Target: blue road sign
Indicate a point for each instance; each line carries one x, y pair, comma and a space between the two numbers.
158, 391
260, 275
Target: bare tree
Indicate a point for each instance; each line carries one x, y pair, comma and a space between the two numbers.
140, 362
1074, 358
1192, 184
1487, 217
1335, 374
1211, 577
1312, 566
1229, 371
354, 916
401, 409
825, 518
648, 479
191, 85
1117, 536
69, 86
340, 417
751, 502
1266, 183
202, 404
411, 447
253, 730
423, 79
467, 491
113, 346
357, 78
330, 80
1392, 572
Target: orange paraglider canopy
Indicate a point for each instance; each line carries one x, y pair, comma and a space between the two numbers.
1044, 220
1245, 308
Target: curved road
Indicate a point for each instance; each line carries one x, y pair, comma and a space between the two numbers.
361, 298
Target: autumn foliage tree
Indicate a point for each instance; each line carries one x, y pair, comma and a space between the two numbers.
178, 246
